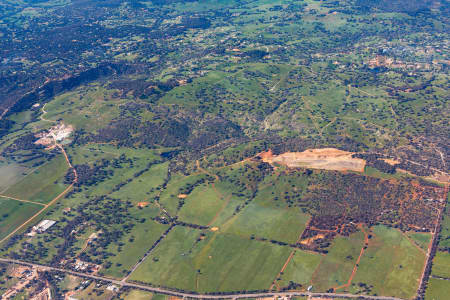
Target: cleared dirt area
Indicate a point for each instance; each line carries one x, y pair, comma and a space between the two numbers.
142, 204
392, 162
442, 178
308, 241
326, 159
56, 133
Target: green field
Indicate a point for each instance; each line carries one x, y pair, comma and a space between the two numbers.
138, 189
202, 205
177, 107
140, 295
301, 268
336, 267
284, 225
437, 289
14, 214
177, 185
219, 262
135, 244
10, 173
44, 184
422, 239
391, 264
441, 264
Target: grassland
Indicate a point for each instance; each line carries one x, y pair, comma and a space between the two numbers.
336, 267
135, 244
14, 213
391, 264
201, 205
422, 239
140, 295
43, 184
138, 189
269, 222
10, 173
301, 268
271, 74
85, 108
441, 264
437, 289
218, 262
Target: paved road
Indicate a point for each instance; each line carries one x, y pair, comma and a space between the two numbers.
191, 295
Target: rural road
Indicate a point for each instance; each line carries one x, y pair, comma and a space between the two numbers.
192, 295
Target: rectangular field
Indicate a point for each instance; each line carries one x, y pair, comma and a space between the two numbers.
279, 224
437, 289
141, 238
300, 269
213, 262
10, 173
14, 213
336, 267
441, 264
43, 184
391, 264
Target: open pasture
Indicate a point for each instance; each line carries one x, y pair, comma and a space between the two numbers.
437, 289
43, 184
14, 213
391, 264
213, 262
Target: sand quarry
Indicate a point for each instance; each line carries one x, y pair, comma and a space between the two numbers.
325, 159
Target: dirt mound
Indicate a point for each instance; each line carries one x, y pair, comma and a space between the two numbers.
326, 159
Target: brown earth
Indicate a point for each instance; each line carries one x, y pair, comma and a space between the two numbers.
442, 178
308, 241
325, 159
392, 162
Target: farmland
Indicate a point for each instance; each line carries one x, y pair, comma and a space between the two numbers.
225, 147
14, 213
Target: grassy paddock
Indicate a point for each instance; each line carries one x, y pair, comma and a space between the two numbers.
438, 289
391, 264
14, 214
301, 268
43, 184
217, 262
441, 264
336, 267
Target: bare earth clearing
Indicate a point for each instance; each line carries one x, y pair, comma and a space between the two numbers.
326, 159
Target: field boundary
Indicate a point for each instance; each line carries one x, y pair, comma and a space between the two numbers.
194, 295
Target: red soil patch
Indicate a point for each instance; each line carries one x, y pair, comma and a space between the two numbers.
142, 204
